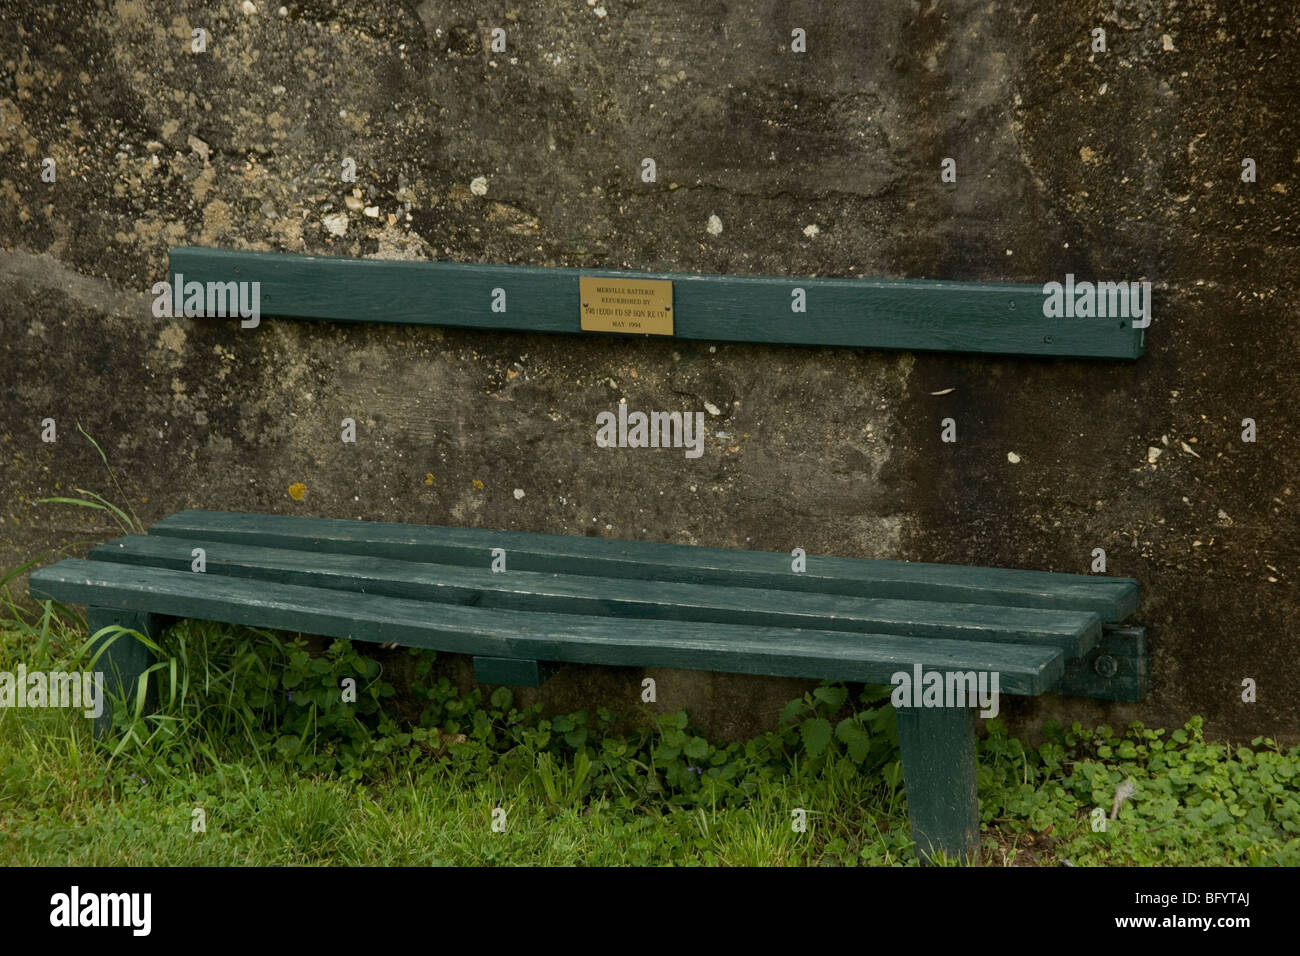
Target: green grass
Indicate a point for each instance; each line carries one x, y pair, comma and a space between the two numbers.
252, 731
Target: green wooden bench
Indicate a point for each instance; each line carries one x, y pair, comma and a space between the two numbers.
569, 599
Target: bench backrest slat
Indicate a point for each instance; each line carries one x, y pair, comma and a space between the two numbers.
1002, 318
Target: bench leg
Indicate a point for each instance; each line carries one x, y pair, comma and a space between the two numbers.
512, 672
938, 746
126, 658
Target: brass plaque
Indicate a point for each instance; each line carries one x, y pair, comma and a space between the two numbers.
636, 306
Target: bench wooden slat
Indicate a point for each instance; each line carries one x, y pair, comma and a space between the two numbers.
875, 313
1073, 632
1111, 599
537, 635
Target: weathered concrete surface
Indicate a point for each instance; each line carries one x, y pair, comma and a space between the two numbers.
1119, 165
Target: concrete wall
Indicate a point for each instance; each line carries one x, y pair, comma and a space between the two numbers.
1124, 164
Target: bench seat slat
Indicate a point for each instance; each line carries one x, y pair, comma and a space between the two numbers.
1112, 599
536, 635
1074, 632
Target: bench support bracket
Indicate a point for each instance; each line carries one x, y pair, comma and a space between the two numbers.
938, 746
1116, 669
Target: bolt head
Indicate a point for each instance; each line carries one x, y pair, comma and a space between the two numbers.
1106, 666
